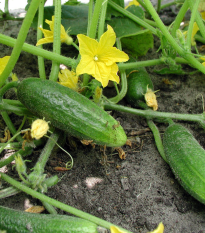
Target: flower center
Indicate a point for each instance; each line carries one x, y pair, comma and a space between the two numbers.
95, 58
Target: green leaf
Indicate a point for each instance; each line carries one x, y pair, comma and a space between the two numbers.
112, 12
73, 17
138, 45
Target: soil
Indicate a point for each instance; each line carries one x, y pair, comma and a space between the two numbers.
137, 192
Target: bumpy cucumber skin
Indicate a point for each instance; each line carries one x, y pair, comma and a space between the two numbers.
14, 221
137, 83
187, 160
70, 111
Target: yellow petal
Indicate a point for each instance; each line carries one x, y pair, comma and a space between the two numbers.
108, 38
3, 63
86, 65
68, 78
46, 33
45, 41
112, 55
113, 75
87, 45
194, 31
114, 229
160, 228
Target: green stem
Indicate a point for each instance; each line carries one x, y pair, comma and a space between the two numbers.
41, 65
191, 24
56, 40
46, 152
38, 51
20, 40
95, 18
157, 138
6, 6
10, 191
10, 140
133, 17
179, 18
158, 6
5, 88
90, 14
199, 20
171, 40
155, 114
133, 65
10, 125
102, 19
123, 90
167, 5
13, 102
49, 208
58, 204
22, 152
15, 109
11, 146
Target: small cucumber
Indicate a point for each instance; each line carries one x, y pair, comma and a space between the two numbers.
137, 83
70, 111
14, 221
187, 160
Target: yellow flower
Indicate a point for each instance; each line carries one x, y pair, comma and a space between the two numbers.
69, 79
160, 228
65, 38
134, 2
194, 31
3, 63
114, 229
151, 99
99, 58
39, 128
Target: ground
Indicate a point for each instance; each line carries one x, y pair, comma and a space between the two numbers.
138, 192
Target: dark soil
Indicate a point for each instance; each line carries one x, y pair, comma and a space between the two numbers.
138, 192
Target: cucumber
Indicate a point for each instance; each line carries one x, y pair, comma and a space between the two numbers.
14, 221
137, 83
70, 112
187, 160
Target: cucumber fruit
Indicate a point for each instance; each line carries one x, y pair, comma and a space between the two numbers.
70, 112
14, 221
187, 160
137, 83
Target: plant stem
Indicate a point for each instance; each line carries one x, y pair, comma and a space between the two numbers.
191, 24
179, 18
155, 114
46, 152
38, 51
158, 6
102, 19
41, 65
59, 204
95, 18
123, 90
20, 40
157, 138
90, 13
199, 20
10, 125
171, 40
56, 40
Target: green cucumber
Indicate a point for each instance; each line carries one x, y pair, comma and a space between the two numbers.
70, 111
15, 221
187, 160
137, 83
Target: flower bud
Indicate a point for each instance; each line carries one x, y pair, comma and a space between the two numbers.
39, 128
151, 99
20, 165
